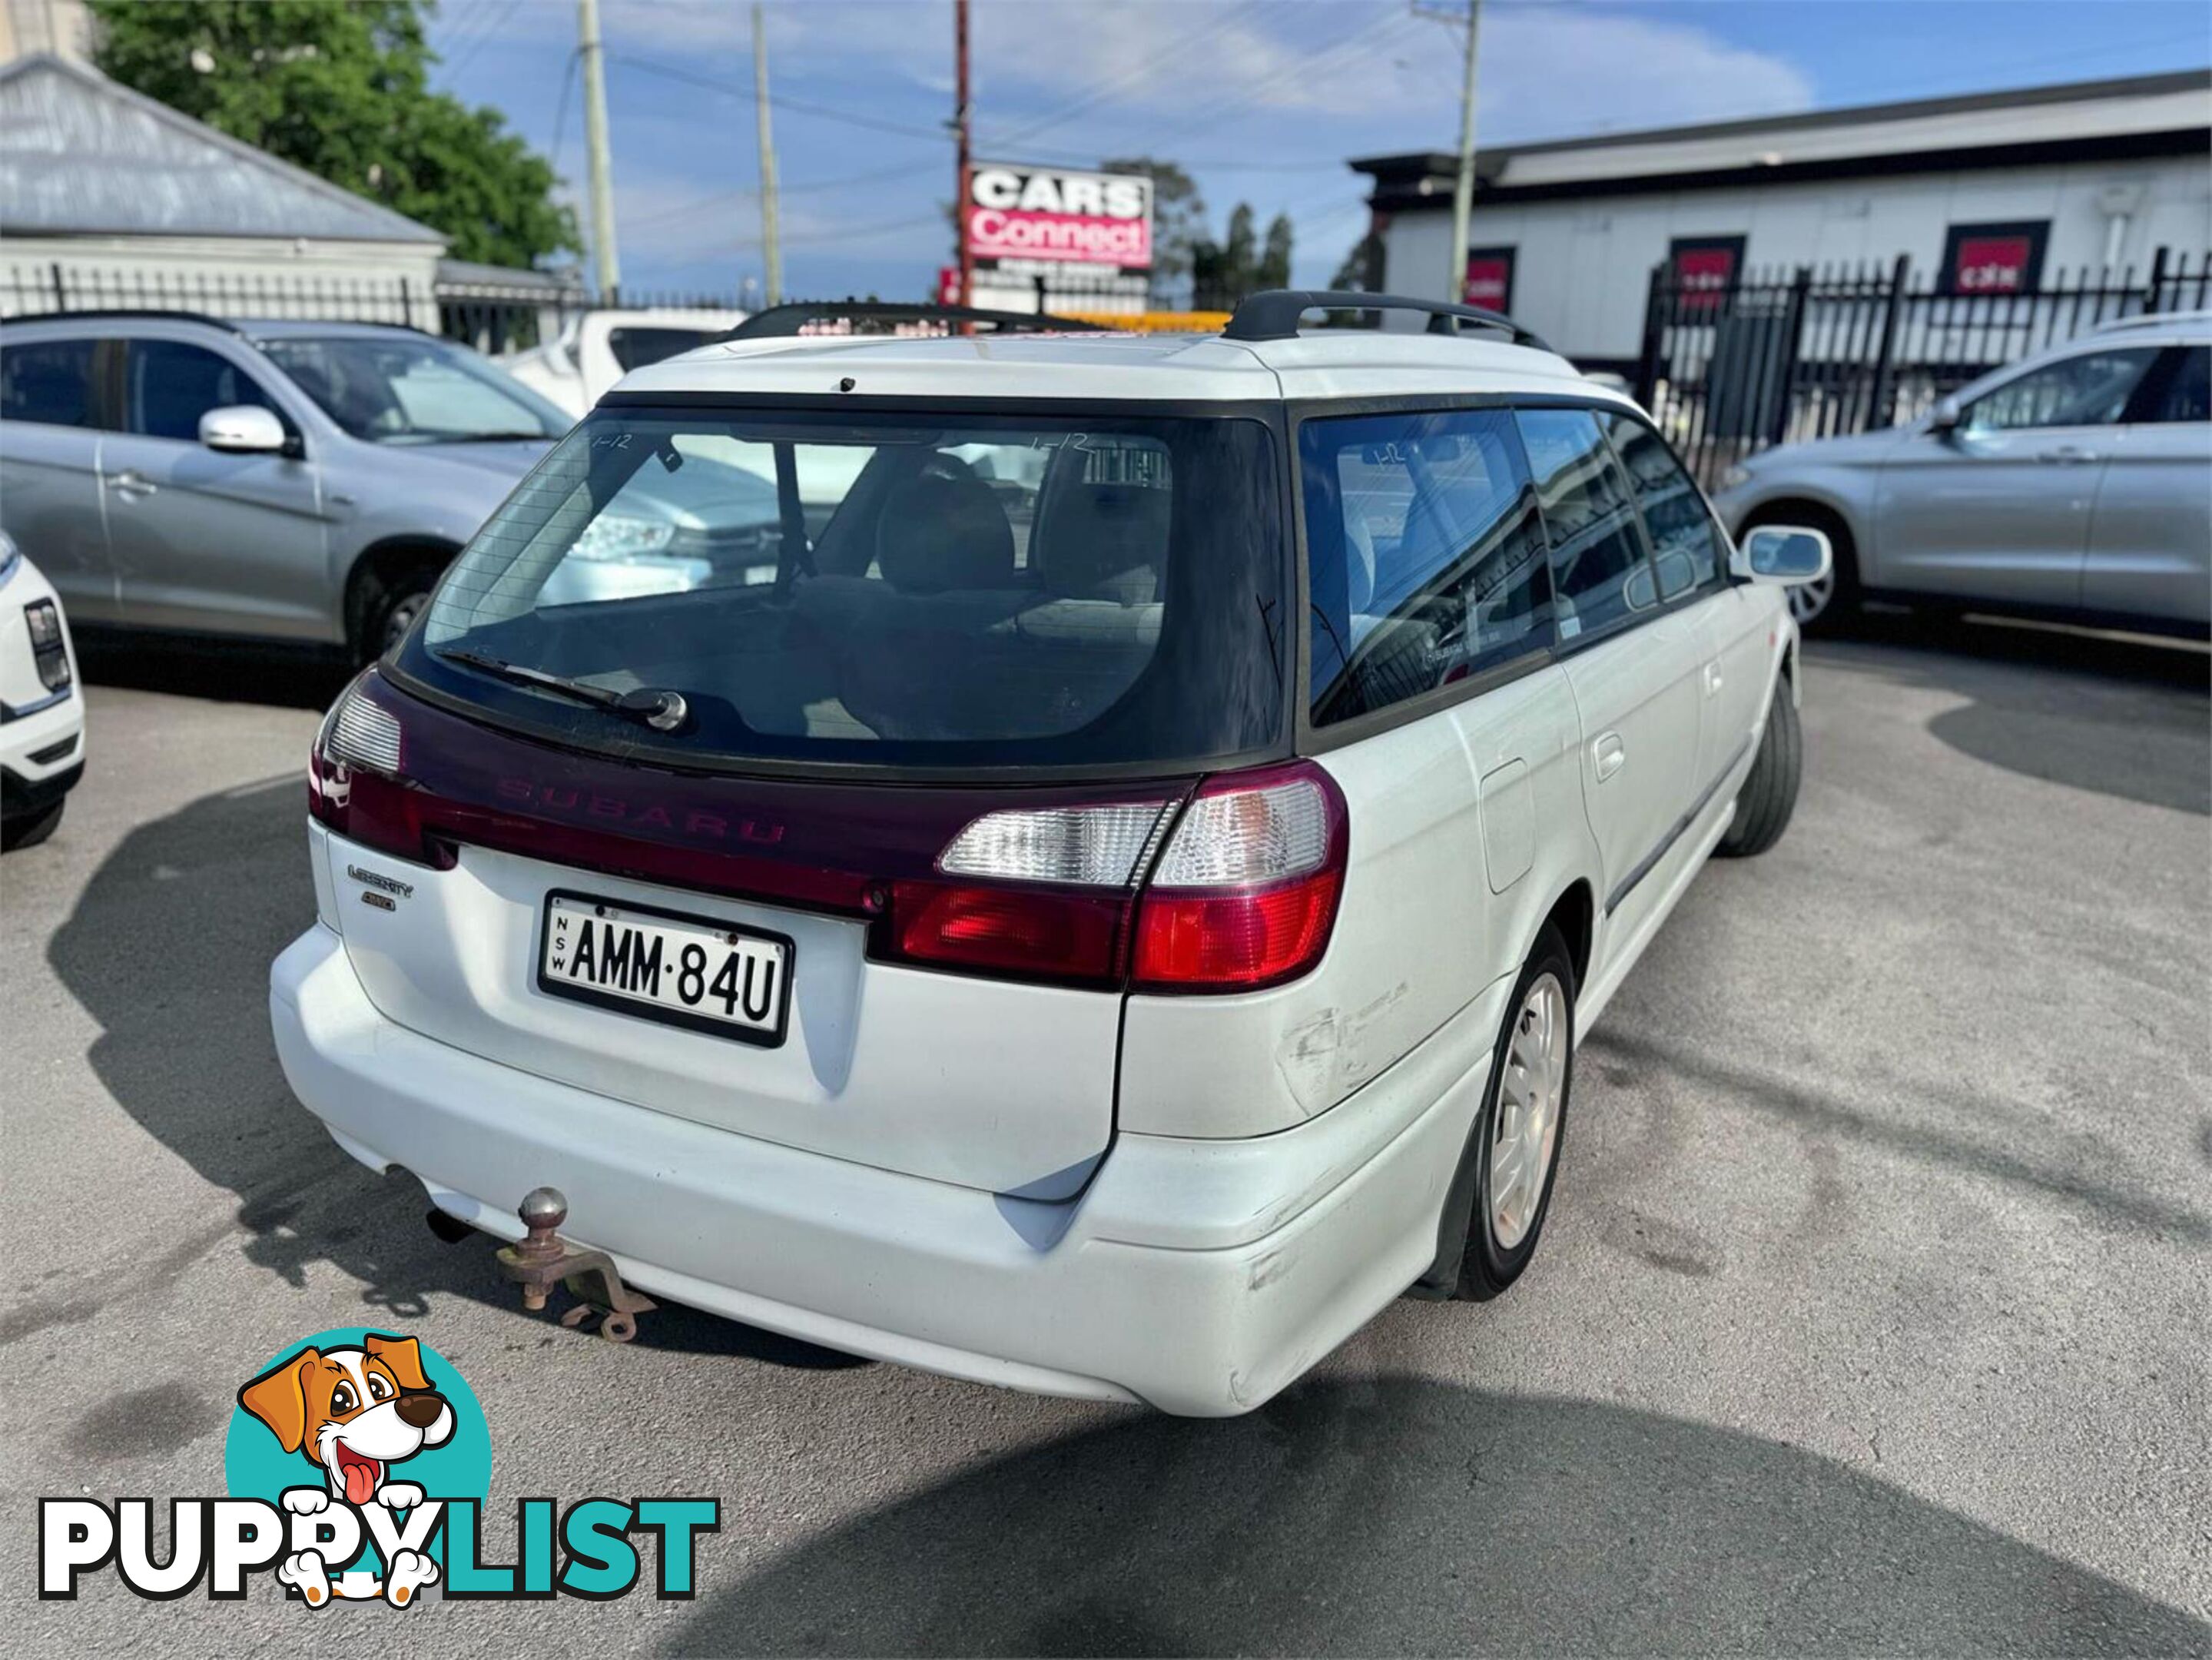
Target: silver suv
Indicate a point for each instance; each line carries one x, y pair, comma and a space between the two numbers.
294, 481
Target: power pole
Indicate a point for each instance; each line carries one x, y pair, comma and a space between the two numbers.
772, 254
1464, 189
966, 165
604, 257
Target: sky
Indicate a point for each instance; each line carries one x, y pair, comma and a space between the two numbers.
1262, 101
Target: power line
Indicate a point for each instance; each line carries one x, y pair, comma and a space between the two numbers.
498, 22
797, 106
1129, 77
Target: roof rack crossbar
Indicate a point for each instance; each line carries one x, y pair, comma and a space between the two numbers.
1273, 313
792, 316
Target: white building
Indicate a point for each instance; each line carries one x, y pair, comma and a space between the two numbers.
1991, 192
108, 197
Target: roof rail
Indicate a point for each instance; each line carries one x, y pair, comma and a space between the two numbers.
103, 314
1273, 313
793, 317
227, 325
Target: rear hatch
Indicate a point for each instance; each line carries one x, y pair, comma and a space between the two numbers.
796, 774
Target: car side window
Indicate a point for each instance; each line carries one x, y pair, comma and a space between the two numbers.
1599, 574
2188, 394
170, 385
49, 381
2090, 390
1685, 546
1426, 560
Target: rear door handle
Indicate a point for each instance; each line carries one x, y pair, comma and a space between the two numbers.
1712, 680
131, 482
1607, 755
2066, 455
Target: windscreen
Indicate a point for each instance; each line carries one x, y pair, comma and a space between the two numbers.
909, 590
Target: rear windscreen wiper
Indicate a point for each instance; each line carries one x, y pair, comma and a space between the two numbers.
664, 711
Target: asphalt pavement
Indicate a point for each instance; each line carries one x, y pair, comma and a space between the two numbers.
1872, 1313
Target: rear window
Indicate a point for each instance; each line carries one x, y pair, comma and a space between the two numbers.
920, 590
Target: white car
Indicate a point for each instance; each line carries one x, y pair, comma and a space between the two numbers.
596, 348
41, 715
1105, 928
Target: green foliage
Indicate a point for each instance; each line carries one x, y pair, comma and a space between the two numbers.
1178, 217
341, 88
1224, 272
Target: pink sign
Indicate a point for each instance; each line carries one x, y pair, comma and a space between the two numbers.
1051, 214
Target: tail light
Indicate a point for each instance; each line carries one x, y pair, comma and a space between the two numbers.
1245, 892
357, 778
1241, 894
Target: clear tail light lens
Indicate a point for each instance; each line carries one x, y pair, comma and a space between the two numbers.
1246, 892
1089, 847
355, 781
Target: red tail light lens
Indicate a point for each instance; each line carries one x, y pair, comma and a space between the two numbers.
1245, 893
1029, 933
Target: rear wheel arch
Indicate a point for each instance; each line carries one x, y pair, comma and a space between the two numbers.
383, 575
1573, 917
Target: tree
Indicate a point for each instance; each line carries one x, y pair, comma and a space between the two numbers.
1275, 270
341, 88
1178, 218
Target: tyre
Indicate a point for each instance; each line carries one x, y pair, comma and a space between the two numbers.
1829, 605
1515, 1152
28, 829
1768, 794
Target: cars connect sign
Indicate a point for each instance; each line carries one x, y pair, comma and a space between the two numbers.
1051, 215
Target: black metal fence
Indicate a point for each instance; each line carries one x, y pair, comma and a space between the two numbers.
1780, 356
491, 315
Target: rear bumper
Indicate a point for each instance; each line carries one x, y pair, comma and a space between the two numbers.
1199, 1276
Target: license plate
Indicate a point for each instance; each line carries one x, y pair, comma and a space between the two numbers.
685, 971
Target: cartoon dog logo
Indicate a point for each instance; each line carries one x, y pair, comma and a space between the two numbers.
354, 1413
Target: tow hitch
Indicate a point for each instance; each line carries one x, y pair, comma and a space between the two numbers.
543, 1259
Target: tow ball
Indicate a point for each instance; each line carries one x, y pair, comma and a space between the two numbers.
543, 1259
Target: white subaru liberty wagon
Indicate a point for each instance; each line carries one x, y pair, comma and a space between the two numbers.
1100, 893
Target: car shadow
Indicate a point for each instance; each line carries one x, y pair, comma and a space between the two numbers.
2122, 717
188, 1055
1410, 1517
227, 671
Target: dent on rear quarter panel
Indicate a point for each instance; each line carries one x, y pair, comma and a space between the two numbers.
1419, 935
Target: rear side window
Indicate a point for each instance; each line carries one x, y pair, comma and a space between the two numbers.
1684, 546
170, 385
1426, 563
914, 590
47, 380
1599, 575
2188, 394
2090, 390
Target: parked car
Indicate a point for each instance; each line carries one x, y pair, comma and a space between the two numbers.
2076, 484
999, 932
595, 349
282, 480
41, 716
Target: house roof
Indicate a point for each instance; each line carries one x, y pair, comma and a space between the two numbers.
2143, 114
81, 154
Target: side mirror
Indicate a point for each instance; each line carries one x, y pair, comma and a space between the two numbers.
1784, 555
242, 430
1944, 417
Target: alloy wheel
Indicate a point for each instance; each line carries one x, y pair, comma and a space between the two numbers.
1809, 599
